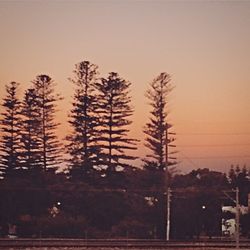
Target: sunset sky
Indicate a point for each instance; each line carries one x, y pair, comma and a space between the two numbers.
203, 45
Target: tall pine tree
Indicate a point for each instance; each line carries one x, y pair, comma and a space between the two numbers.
51, 148
30, 130
82, 146
10, 131
154, 130
156, 141
115, 110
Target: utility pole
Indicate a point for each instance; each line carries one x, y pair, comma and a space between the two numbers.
167, 184
237, 219
167, 163
168, 213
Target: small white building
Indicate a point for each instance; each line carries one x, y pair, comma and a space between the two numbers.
229, 225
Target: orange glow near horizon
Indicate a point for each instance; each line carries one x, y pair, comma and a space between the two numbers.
204, 46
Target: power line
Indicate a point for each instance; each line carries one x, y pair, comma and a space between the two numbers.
213, 145
188, 159
214, 134
218, 157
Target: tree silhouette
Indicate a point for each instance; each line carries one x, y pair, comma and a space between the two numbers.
239, 177
154, 130
30, 130
46, 98
114, 110
82, 146
10, 140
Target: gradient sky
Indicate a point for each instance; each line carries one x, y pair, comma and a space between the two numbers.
203, 45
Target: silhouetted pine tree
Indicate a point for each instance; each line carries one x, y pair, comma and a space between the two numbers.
10, 131
114, 110
155, 129
30, 130
82, 146
51, 148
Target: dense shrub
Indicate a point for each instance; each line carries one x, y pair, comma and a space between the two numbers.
48, 226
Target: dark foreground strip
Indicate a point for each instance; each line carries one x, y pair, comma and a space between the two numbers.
120, 243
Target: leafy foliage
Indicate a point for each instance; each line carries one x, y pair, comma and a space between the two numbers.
196, 203
240, 178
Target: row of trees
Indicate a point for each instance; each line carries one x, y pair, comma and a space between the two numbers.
100, 118
28, 129
52, 205
96, 150
102, 194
